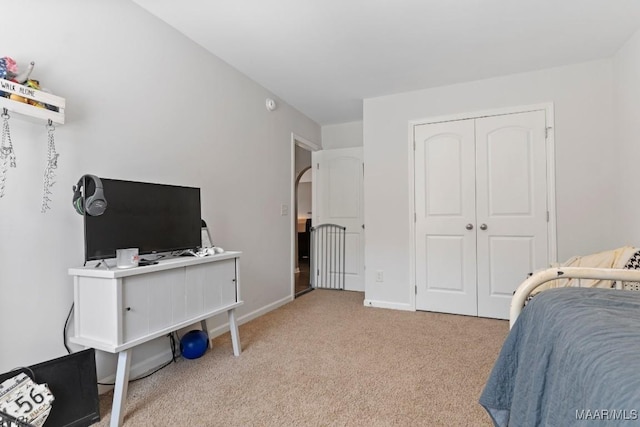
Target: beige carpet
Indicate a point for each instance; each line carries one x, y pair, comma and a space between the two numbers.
325, 360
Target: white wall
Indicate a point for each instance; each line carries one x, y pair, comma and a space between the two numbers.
342, 135
304, 200
585, 157
303, 162
627, 119
302, 159
143, 103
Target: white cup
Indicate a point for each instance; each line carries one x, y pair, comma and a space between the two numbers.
127, 258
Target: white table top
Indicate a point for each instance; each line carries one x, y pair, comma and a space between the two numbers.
163, 264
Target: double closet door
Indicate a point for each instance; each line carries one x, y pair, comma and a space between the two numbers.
481, 211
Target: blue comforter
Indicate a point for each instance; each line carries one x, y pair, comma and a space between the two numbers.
572, 358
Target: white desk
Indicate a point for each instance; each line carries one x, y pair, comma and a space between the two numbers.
118, 309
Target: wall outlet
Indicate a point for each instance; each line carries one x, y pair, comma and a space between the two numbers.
379, 276
284, 210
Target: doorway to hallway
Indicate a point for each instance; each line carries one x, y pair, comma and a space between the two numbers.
302, 199
303, 189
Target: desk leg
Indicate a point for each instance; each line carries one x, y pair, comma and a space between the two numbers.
120, 391
203, 324
235, 336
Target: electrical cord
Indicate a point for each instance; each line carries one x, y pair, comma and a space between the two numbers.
173, 360
64, 331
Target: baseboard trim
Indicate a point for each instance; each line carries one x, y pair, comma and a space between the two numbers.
390, 305
215, 332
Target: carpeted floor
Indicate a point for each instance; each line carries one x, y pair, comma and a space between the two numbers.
326, 360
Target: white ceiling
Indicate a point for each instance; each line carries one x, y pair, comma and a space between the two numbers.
324, 57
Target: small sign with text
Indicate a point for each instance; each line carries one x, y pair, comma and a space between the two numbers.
606, 414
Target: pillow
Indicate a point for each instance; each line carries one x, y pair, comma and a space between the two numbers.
615, 258
632, 264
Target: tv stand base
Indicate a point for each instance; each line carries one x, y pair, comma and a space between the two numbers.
117, 310
124, 363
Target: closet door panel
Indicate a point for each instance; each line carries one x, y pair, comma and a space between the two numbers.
508, 256
511, 206
509, 181
445, 208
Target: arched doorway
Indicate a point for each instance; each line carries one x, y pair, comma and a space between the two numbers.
303, 204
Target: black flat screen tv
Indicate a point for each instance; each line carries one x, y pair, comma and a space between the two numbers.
154, 218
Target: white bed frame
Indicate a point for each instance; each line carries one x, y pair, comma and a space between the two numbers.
537, 279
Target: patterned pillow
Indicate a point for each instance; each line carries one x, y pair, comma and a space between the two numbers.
632, 264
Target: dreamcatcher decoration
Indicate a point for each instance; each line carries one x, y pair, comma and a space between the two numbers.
7, 153
52, 165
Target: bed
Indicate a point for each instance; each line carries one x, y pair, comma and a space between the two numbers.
572, 356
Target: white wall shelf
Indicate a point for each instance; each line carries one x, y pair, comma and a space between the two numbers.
33, 111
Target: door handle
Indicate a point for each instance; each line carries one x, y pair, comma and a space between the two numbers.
483, 227
469, 227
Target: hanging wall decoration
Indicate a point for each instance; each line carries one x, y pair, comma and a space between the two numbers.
7, 154
22, 95
52, 165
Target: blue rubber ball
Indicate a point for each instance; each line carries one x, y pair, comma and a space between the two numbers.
194, 344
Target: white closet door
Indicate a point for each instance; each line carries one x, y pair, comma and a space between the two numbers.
445, 217
339, 187
511, 187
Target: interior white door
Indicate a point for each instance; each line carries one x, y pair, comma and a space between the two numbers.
511, 188
445, 217
339, 197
